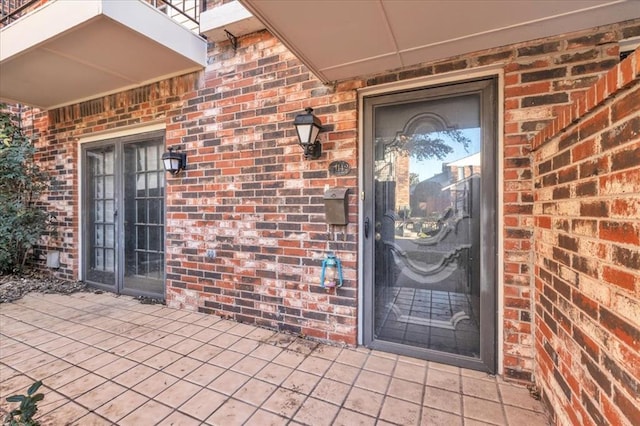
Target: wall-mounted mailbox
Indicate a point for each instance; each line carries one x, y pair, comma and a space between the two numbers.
336, 208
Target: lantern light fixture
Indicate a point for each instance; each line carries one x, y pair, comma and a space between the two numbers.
308, 126
174, 161
331, 276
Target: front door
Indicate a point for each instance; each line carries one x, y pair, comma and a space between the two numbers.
123, 220
430, 223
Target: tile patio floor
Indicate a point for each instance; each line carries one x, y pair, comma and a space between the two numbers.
111, 360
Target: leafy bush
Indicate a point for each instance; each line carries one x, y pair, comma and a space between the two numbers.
23, 415
22, 221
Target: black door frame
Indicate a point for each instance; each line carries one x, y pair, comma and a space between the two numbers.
118, 144
487, 87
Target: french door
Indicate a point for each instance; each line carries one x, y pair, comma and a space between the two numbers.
123, 215
430, 223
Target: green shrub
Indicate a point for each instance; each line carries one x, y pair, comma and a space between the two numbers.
22, 221
23, 415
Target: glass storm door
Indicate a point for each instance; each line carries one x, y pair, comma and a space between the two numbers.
429, 231
124, 215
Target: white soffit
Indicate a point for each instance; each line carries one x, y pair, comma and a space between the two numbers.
70, 51
343, 39
232, 17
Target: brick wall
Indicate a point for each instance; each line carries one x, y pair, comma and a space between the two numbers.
248, 194
587, 253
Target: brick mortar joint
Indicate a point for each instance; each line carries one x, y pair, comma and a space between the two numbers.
545, 135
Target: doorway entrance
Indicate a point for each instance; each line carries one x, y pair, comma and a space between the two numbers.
123, 215
430, 223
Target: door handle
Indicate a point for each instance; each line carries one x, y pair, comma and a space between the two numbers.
366, 227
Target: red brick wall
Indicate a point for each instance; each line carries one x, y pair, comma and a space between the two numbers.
587, 253
249, 195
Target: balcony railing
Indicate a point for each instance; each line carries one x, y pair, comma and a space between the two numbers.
186, 12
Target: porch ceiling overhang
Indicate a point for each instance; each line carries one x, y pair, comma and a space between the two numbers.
70, 51
343, 39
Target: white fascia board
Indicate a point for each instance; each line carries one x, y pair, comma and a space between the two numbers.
233, 17
44, 23
145, 19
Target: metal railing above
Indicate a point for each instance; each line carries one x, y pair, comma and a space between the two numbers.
186, 12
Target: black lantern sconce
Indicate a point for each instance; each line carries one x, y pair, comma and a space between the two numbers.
308, 126
174, 161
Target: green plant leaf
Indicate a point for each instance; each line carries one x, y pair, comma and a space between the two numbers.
34, 387
37, 397
16, 398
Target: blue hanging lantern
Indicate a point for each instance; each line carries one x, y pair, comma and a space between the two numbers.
331, 272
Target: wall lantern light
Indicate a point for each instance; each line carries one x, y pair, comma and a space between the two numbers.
331, 272
308, 126
174, 161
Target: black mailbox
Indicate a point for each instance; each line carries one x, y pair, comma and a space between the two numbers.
336, 208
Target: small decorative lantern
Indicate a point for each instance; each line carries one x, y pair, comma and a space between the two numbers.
331, 272
174, 161
308, 126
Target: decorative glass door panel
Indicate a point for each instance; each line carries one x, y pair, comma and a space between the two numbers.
430, 170
124, 215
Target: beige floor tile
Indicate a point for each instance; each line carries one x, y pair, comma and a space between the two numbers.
149, 414
122, 405
178, 393
112, 342
100, 395
405, 390
17, 384
244, 346
486, 389
155, 384
54, 343
116, 368
444, 400
203, 404
49, 369
444, 367
63, 415
65, 376
83, 355
178, 419
379, 364
352, 358
302, 382
266, 352
254, 392
33, 362
483, 410
284, 402
169, 341
228, 382
249, 365
205, 352
351, 418
151, 336
400, 412
433, 417
274, 373
518, 396
66, 350
364, 401
7, 372
206, 335
144, 353
187, 346
410, 372
188, 330
226, 358
444, 380
289, 358
342, 373
331, 391
231, 413
82, 385
182, 366
303, 346
163, 359
93, 420
315, 365
316, 412
204, 374
518, 416
372, 381
265, 418
98, 361
327, 352
134, 375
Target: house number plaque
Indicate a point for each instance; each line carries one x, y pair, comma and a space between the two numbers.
339, 168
